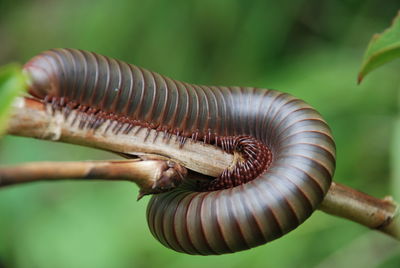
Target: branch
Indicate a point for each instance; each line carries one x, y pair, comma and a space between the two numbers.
152, 175
31, 119
374, 213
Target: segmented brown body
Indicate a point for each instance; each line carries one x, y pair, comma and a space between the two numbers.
288, 150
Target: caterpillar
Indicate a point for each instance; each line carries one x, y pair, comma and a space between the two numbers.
287, 149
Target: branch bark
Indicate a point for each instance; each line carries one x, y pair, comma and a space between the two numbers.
31, 119
374, 213
151, 175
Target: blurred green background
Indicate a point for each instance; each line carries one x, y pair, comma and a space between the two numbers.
312, 49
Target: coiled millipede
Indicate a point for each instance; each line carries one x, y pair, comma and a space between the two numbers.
287, 153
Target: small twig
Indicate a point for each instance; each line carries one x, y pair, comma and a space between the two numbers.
31, 119
152, 176
378, 214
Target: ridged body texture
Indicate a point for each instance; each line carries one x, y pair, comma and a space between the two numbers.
290, 149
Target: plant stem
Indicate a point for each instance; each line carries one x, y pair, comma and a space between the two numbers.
152, 176
348, 203
31, 119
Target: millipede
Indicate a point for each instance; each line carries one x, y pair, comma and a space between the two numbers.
287, 152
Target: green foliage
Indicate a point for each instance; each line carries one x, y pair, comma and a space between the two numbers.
382, 48
12, 84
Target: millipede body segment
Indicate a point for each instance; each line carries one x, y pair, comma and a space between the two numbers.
287, 153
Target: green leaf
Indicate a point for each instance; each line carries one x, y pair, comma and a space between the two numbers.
12, 84
382, 48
